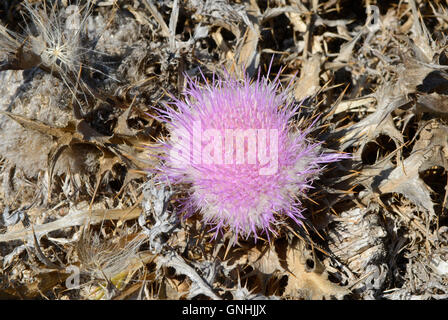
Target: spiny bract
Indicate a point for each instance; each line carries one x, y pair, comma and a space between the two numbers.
231, 142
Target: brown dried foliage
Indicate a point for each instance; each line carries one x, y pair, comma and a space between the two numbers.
73, 160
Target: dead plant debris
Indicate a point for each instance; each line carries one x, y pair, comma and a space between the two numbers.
81, 218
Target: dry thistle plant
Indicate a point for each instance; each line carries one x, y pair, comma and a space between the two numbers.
376, 225
54, 40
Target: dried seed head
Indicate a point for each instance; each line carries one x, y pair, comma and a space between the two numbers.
104, 257
59, 40
56, 40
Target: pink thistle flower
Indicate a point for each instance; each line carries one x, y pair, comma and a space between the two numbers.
231, 142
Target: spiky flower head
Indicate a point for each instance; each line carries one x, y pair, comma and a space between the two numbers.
231, 142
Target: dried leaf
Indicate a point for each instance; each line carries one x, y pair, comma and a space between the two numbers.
308, 284
308, 83
76, 217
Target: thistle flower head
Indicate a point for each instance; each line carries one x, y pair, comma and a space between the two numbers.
231, 141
